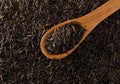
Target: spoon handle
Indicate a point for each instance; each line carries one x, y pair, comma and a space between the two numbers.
93, 18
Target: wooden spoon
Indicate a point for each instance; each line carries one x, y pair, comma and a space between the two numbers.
88, 22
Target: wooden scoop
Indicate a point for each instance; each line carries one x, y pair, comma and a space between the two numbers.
88, 22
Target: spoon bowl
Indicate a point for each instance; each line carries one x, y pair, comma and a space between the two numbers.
88, 22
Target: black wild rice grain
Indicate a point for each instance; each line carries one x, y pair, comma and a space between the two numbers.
64, 38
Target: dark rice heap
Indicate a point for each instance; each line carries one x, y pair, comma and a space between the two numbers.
64, 38
95, 61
